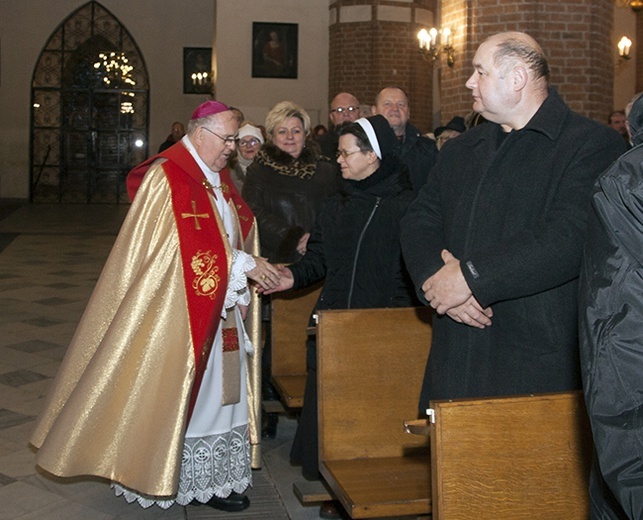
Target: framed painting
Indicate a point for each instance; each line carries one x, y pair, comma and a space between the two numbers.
197, 70
274, 50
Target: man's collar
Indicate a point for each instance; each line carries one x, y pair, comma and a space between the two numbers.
550, 116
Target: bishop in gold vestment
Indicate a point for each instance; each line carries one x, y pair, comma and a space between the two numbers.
159, 390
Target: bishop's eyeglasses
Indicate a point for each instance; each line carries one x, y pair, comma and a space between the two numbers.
229, 141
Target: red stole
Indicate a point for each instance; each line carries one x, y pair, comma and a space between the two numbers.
203, 251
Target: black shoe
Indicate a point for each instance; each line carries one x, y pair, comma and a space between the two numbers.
269, 425
233, 502
268, 393
329, 510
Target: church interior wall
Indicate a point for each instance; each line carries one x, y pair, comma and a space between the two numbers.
161, 28
255, 96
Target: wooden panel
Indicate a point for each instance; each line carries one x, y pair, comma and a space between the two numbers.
373, 488
290, 312
291, 389
514, 458
310, 491
370, 368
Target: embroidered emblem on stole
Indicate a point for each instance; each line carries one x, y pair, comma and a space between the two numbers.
207, 280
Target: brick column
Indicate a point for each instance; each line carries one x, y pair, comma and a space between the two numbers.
638, 52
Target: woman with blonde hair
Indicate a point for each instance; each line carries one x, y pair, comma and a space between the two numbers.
287, 183
286, 186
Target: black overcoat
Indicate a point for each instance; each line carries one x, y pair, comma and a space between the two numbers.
512, 208
611, 331
355, 248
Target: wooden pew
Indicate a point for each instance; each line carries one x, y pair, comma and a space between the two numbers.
370, 369
290, 312
504, 458
512, 458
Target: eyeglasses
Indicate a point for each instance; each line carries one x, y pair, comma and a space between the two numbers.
341, 110
250, 142
344, 153
228, 141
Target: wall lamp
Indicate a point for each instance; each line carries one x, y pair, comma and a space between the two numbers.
624, 45
635, 5
434, 42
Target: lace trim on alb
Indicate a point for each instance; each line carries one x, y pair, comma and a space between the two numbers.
213, 465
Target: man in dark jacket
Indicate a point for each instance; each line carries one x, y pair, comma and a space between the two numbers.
493, 241
417, 151
611, 331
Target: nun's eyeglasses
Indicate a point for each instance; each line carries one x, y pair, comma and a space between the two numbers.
344, 153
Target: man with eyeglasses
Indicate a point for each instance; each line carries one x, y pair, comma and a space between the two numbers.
344, 107
154, 383
418, 152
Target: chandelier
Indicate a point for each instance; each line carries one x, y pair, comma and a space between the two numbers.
114, 68
114, 71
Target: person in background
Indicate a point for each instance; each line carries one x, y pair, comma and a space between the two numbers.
618, 121
611, 338
452, 129
494, 240
249, 143
238, 114
417, 151
147, 396
286, 185
178, 131
344, 107
319, 130
355, 249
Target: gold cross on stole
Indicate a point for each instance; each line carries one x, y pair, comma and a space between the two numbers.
196, 216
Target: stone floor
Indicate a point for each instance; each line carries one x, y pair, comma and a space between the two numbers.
50, 259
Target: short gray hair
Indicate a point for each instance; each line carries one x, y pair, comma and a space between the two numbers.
523, 48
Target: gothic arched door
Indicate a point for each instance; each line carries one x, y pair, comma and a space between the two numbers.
89, 111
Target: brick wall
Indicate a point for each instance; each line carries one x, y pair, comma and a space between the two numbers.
366, 56
639, 53
575, 35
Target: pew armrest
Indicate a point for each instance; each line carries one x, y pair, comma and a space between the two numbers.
418, 427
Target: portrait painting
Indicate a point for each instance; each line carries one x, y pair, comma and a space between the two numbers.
274, 50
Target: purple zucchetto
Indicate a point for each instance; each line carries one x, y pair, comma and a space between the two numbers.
209, 108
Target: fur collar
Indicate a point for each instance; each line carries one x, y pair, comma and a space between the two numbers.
281, 162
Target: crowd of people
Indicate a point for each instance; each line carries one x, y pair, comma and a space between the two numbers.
485, 220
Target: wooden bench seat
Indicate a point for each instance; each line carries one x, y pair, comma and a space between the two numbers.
290, 313
370, 368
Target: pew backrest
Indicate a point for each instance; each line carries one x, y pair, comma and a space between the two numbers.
370, 365
511, 458
290, 314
